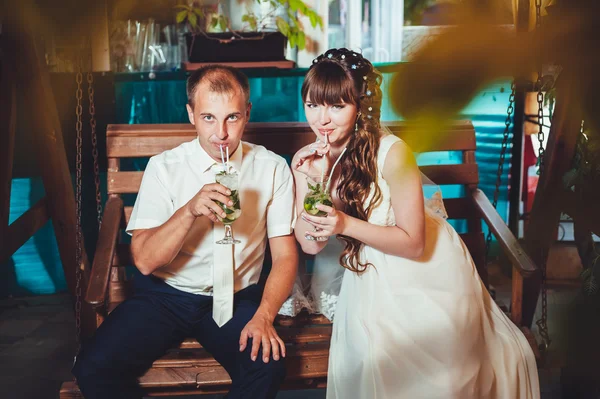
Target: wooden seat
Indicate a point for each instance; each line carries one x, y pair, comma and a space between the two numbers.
188, 368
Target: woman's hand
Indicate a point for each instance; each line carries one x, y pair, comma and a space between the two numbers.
332, 224
306, 157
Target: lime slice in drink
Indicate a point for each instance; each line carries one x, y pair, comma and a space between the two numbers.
311, 210
234, 215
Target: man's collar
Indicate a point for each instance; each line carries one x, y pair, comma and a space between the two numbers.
206, 161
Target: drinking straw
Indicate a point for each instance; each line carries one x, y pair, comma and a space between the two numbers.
332, 169
227, 165
323, 165
223, 157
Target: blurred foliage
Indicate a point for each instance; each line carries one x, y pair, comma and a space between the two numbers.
413, 10
450, 69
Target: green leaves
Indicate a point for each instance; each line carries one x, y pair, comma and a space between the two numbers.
589, 283
193, 19
190, 14
283, 26
315, 19
293, 29
219, 20
181, 16
295, 5
223, 23
251, 20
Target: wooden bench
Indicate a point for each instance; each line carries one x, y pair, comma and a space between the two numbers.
189, 369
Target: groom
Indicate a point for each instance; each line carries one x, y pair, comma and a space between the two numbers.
189, 286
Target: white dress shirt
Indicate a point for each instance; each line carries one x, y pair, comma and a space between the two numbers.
266, 193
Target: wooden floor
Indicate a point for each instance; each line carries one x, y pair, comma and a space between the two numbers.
37, 342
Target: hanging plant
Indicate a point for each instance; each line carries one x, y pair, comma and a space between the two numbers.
589, 283
583, 179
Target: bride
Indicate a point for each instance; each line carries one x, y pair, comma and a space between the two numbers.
412, 318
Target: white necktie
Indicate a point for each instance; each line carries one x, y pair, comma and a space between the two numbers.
223, 285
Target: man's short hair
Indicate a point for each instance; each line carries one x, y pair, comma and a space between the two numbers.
221, 79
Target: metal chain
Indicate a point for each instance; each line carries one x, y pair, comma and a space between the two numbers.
92, 109
541, 136
507, 123
542, 323
78, 198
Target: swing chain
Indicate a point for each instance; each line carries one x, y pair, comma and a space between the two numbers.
499, 173
92, 110
79, 184
542, 323
78, 197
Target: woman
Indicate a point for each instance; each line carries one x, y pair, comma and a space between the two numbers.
413, 319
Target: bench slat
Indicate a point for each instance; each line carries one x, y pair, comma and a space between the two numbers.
125, 141
129, 182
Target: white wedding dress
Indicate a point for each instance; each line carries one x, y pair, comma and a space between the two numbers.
423, 328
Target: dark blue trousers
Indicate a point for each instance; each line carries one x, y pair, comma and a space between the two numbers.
158, 317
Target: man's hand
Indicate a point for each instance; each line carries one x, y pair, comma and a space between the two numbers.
261, 330
204, 203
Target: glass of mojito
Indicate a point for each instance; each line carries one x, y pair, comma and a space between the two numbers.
317, 194
231, 181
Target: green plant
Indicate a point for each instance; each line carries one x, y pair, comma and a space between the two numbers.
589, 284
292, 28
413, 10
583, 179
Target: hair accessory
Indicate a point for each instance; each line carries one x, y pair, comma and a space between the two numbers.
369, 92
365, 77
353, 66
370, 108
329, 55
343, 56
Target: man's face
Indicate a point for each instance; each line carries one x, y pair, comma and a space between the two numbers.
219, 118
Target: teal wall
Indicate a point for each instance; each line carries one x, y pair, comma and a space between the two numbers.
36, 268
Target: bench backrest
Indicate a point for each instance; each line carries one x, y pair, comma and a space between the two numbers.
138, 141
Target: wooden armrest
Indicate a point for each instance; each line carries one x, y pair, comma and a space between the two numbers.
105, 249
520, 260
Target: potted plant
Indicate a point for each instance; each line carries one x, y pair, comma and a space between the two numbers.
256, 41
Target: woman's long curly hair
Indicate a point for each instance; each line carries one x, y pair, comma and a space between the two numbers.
341, 75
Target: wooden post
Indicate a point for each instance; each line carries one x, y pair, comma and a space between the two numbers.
99, 37
522, 16
548, 201
34, 82
8, 120
516, 168
516, 164
474, 225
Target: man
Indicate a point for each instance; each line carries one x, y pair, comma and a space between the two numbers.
187, 281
